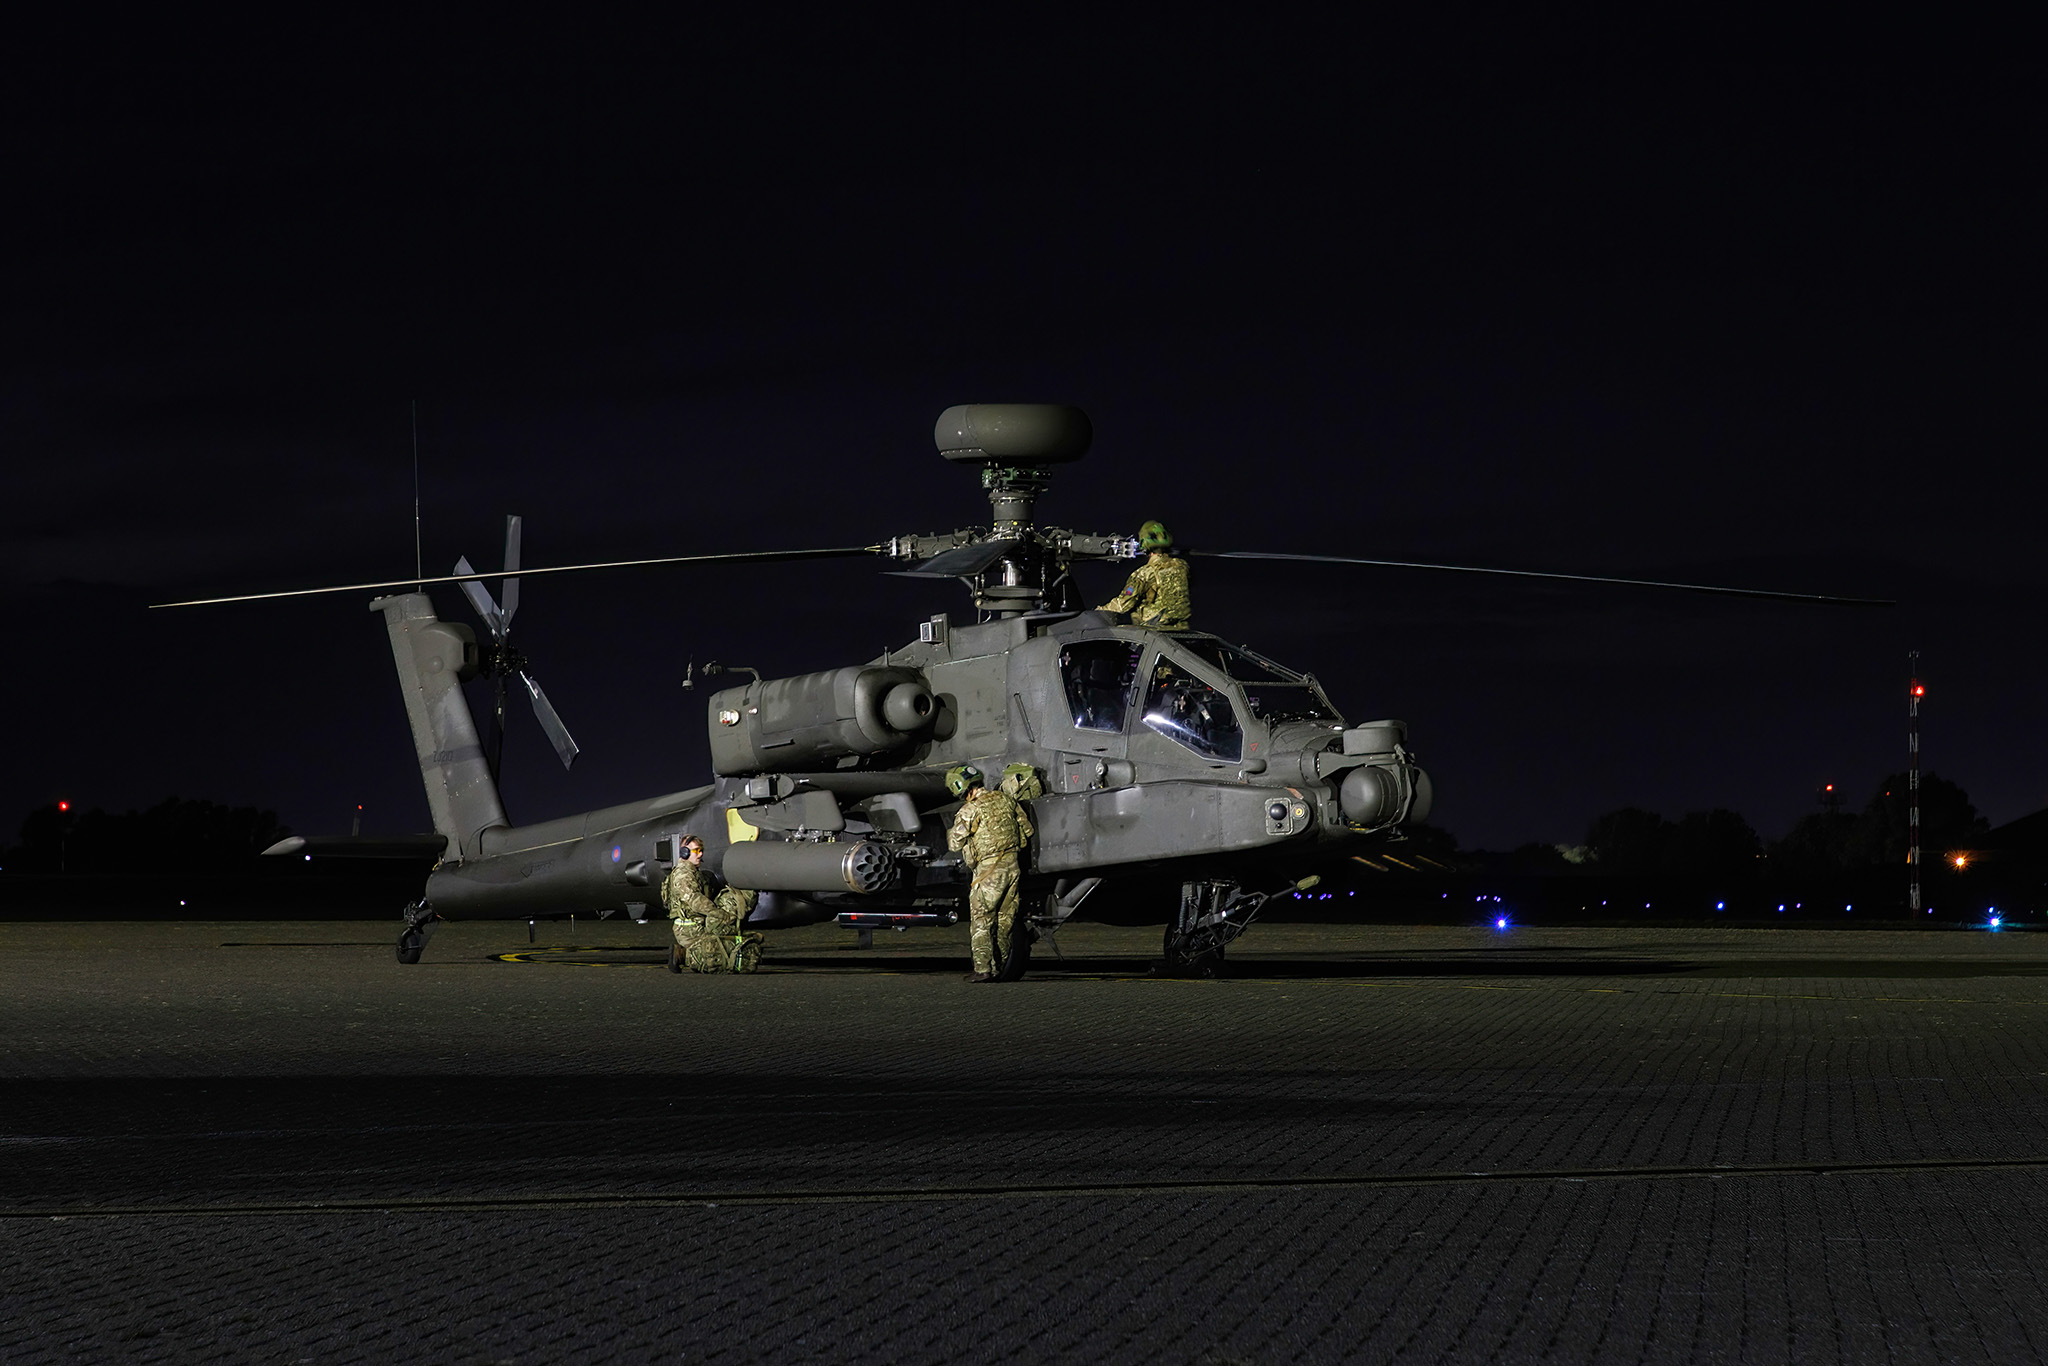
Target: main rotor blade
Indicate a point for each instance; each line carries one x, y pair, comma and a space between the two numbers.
961, 561
510, 592
729, 557
1544, 574
480, 598
551, 722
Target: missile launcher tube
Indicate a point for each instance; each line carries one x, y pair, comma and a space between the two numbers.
790, 866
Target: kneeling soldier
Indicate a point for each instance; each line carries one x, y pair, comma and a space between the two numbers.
710, 926
989, 832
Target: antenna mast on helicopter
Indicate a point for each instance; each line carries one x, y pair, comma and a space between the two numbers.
419, 563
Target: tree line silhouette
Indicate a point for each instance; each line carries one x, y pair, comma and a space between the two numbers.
1720, 843
173, 834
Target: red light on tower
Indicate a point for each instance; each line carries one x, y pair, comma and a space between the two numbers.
63, 806
1915, 690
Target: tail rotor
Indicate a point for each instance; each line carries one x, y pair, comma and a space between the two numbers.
501, 660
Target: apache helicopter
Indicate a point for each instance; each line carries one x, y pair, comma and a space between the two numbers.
1161, 755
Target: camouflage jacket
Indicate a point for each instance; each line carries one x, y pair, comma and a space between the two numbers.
1156, 594
687, 892
989, 826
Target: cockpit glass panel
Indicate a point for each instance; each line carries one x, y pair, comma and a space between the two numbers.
1273, 692
1275, 702
1100, 676
1189, 712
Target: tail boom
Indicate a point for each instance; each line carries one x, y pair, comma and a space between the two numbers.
432, 657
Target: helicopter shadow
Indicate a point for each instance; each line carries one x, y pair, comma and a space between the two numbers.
1491, 963
1049, 968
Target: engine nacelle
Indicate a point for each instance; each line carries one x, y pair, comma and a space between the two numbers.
810, 722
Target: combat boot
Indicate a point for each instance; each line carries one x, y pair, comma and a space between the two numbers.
704, 955
746, 955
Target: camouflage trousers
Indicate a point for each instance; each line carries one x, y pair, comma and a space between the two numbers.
992, 912
716, 943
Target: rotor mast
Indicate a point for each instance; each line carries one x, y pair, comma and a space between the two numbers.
1014, 566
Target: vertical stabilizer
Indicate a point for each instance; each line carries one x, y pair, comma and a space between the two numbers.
431, 657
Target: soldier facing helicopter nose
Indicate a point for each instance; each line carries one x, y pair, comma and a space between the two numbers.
990, 833
1156, 594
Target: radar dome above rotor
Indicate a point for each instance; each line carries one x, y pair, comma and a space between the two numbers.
1013, 433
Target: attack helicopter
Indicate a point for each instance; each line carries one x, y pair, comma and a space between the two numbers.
1148, 754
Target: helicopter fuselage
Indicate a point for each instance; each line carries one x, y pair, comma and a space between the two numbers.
1158, 753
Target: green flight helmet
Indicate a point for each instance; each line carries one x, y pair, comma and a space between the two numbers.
1154, 536
960, 781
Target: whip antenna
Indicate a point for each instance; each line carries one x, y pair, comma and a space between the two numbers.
419, 565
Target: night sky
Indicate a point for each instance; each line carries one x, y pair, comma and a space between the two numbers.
1761, 308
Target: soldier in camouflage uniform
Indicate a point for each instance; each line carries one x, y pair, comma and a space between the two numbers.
990, 833
710, 923
1156, 595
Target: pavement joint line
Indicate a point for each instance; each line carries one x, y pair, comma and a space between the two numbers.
931, 1195
1551, 985
1025, 1105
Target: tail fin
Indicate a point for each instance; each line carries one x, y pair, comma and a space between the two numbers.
432, 657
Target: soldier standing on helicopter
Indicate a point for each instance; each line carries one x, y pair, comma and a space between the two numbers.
710, 926
990, 832
1156, 595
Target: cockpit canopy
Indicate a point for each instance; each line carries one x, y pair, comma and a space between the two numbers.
1200, 700
1275, 693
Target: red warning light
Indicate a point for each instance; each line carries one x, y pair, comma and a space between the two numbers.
63, 806
1919, 691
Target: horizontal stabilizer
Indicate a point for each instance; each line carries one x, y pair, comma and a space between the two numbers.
421, 847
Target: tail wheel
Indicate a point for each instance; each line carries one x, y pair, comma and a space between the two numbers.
419, 927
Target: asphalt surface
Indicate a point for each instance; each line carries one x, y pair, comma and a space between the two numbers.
270, 1142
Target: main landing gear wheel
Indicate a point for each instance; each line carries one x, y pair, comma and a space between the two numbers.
419, 928
1211, 915
1017, 961
1182, 960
